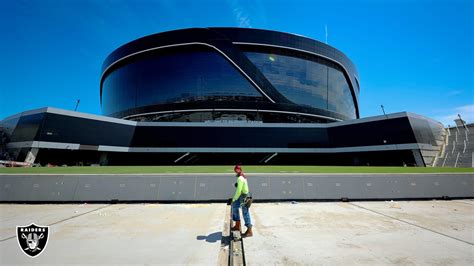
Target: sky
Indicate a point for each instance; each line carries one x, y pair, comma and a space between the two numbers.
415, 56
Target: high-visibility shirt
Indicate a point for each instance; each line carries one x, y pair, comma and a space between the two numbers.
242, 188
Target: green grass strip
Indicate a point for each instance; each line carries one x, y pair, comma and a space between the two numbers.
229, 169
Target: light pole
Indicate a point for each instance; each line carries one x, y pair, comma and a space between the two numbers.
462, 122
383, 110
77, 104
386, 117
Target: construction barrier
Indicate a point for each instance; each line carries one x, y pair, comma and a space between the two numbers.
219, 187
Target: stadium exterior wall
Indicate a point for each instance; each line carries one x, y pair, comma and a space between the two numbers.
66, 137
231, 69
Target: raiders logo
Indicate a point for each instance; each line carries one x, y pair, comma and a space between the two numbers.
32, 239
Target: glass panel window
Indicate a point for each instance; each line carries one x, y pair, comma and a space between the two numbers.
302, 81
119, 91
308, 82
340, 97
183, 76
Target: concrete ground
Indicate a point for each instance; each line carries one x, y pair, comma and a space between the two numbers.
374, 233
368, 233
117, 234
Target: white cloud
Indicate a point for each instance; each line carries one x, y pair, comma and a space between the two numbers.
240, 14
466, 112
454, 92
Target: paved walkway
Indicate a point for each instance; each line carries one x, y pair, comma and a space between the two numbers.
116, 234
333, 233
368, 233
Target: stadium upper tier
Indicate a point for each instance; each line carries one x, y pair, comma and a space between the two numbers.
202, 74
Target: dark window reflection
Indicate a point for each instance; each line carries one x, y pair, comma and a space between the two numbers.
228, 117
185, 76
301, 81
313, 83
340, 97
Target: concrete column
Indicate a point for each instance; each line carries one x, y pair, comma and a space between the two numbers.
418, 158
103, 159
31, 156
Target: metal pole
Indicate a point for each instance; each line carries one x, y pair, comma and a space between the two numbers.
462, 122
77, 104
383, 110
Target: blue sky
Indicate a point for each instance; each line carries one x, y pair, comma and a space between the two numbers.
414, 56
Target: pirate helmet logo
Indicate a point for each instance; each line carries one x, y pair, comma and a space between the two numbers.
32, 239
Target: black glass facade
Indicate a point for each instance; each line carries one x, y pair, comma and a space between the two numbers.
339, 94
72, 137
177, 76
26, 128
227, 116
60, 128
251, 70
313, 83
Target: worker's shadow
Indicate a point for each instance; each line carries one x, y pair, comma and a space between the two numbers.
211, 238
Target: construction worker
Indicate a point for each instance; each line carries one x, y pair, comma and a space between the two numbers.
240, 199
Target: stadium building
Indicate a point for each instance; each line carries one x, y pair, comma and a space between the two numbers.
220, 96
